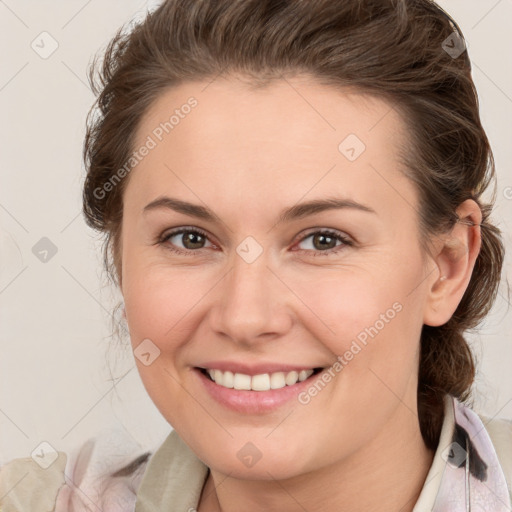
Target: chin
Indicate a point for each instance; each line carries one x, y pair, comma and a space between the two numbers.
259, 459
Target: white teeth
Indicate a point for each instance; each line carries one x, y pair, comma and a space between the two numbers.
261, 382
277, 380
292, 378
228, 379
303, 375
240, 381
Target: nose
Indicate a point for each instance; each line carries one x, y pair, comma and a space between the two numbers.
251, 303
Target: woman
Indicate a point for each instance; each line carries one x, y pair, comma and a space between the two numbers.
292, 198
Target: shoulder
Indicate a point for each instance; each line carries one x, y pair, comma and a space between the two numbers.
500, 433
27, 485
102, 474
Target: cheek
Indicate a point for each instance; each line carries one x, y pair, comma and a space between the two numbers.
337, 307
159, 306
377, 324
374, 328
158, 300
359, 305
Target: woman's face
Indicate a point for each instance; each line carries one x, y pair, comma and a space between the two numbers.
238, 271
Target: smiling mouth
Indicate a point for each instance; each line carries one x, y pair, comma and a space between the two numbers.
261, 382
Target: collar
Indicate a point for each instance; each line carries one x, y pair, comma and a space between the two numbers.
472, 479
465, 475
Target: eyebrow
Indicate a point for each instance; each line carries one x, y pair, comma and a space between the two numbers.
297, 211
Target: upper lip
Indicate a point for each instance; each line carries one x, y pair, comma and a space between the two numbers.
255, 368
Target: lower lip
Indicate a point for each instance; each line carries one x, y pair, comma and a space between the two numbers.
253, 402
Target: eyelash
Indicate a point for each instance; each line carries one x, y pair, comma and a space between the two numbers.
188, 252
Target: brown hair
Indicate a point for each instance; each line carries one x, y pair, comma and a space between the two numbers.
397, 49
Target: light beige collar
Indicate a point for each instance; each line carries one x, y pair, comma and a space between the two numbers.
173, 479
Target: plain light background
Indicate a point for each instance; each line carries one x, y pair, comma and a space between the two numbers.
55, 327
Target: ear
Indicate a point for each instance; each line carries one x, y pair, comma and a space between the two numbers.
454, 258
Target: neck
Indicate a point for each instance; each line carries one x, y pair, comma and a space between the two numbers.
398, 459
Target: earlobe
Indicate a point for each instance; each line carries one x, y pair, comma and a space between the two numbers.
456, 254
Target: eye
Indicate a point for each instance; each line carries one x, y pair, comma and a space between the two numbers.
324, 242
191, 238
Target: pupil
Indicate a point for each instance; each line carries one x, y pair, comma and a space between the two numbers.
322, 238
189, 238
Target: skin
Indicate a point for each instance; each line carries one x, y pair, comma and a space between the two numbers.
247, 154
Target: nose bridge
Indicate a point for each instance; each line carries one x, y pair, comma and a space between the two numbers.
250, 303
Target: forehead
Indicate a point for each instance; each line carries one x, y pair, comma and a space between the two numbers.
312, 113
293, 135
